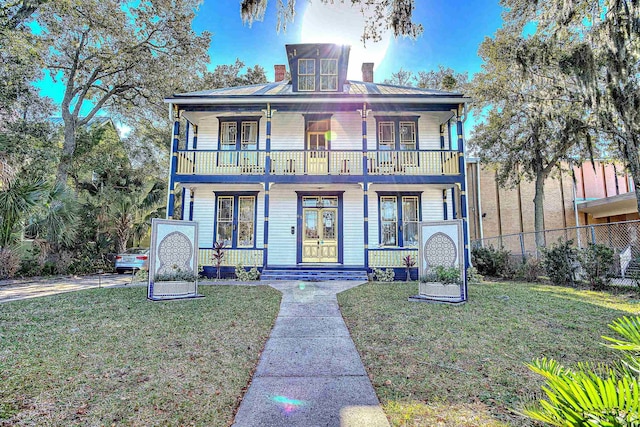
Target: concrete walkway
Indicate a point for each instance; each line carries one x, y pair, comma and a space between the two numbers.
310, 373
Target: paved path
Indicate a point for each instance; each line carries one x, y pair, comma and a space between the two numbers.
12, 290
310, 373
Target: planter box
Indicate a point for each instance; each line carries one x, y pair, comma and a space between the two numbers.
174, 289
438, 290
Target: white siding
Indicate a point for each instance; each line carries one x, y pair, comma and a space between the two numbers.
208, 134
287, 131
203, 213
450, 203
346, 131
432, 209
353, 227
372, 133
190, 137
283, 204
260, 221
262, 134
374, 224
429, 132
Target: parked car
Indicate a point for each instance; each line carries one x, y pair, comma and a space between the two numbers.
133, 259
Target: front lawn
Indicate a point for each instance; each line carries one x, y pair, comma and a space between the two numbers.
110, 357
442, 365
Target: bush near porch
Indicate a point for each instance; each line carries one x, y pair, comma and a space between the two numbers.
442, 365
110, 357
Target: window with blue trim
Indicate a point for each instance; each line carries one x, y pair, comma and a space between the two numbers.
236, 221
399, 218
238, 133
397, 133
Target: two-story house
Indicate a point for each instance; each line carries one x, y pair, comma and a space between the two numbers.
319, 174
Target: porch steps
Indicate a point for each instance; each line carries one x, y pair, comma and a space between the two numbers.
312, 275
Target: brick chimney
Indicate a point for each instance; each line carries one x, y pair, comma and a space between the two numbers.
280, 72
367, 72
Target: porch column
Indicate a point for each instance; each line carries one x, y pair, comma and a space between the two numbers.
444, 204
365, 184
463, 186
194, 144
442, 136
267, 185
173, 165
192, 192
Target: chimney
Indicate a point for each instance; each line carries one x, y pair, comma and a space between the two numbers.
280, 72
367, 72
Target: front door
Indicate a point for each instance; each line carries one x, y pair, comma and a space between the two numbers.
320, 231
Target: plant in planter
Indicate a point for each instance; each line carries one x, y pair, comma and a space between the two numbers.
408, 262
218, 256
176, 275
441, 281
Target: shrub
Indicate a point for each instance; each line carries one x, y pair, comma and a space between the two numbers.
9, 263
490, 261
530, 269
176, 275
244, 275
473, 277
597, 262
560, 262
387, 275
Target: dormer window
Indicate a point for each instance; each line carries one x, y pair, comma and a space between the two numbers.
328, 74
306, 75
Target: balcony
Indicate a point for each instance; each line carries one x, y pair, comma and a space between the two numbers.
409, 163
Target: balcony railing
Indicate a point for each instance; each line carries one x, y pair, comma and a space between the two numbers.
431, 162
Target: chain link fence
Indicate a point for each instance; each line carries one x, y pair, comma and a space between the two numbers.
622, 237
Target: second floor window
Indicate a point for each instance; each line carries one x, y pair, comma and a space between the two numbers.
306, 75
328, 74
397, 133
238, 134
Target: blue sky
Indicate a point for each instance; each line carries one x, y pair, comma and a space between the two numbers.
452, 35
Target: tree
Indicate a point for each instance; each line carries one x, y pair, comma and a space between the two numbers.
17, 200
401, 78
534, 121
603, 39
396, 15
445, 79
229, 76
118, 56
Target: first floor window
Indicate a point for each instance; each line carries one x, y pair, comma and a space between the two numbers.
399, 219
236, 221
246, 211
225, 220
389, 220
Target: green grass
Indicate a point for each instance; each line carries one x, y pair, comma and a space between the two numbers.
442, 365
110, 357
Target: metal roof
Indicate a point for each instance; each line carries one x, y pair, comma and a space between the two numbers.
284, 89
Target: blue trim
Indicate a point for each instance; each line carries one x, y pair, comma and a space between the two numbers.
174, 166
444, 204
339, 195
186, 135
195, 137
266, 225
184, 203
454, 208
449, 134
442, 136
400, 225
396, 124
191, 201
349, 103
319, 179
236, 208
366, 224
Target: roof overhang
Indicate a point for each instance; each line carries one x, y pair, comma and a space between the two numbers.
610, 206
408, 99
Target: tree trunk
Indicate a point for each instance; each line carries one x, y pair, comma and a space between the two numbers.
68, 148
538, 215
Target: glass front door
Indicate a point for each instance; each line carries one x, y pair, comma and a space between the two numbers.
320, 230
